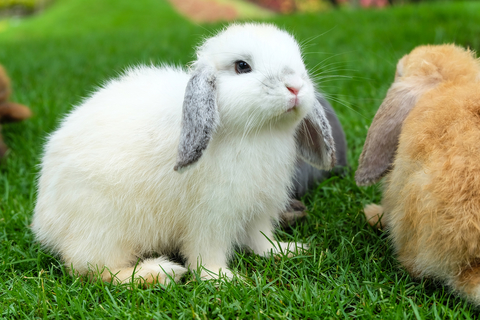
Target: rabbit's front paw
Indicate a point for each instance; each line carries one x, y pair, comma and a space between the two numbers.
375, 215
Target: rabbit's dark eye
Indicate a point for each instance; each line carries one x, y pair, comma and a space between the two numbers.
242, 67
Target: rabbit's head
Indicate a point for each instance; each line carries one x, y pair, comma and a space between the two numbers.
247, 78
422, 70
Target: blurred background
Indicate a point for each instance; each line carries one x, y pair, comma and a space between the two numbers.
228, 8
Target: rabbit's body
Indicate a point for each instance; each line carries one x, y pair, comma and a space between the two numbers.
109, 194
432, 196
431, 201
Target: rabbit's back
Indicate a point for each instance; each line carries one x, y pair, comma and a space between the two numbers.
137, 112
130, 125
433, 192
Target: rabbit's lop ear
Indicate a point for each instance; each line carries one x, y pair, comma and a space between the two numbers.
315, 141
382, 138
200, 117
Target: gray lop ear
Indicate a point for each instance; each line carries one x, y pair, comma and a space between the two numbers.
382, 138
199, 117
314, 139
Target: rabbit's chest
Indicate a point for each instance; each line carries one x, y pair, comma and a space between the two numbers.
255, 171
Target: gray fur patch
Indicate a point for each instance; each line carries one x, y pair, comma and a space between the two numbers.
199, 117
380, 147
315, 141
306, 176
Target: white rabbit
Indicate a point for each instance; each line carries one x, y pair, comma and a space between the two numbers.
130, 174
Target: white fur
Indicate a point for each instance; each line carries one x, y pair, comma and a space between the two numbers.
108, 194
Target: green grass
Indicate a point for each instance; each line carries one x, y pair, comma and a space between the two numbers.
57, 58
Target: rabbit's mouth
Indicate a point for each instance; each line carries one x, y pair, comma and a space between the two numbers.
291, 109
293, 103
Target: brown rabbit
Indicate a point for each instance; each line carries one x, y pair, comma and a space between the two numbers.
425, 140
9, 111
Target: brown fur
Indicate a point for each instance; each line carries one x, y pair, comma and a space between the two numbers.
9, 111
431, 195
469, 279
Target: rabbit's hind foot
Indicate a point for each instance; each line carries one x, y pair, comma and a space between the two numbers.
147, 272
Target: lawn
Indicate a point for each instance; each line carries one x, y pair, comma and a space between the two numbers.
59, 57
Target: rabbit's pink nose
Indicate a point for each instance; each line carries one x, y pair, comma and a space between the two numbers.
293, 90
